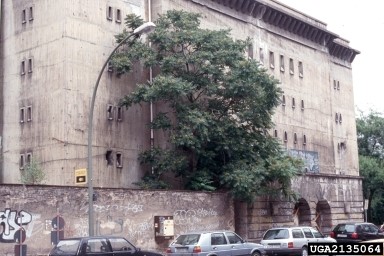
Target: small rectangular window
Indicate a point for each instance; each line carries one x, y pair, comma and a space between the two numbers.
118, 15
301, 71
22, 115
275, 134
338, 85
285, 136
295, 138
302, 104
22, 161
22, 68
250, 51
110, 110
119, 114
334, 84
23, 16
261, 56
30, 13
109, 13
119, 160
30, 65
291, 67
283, 101
293, 103
282, 67
271, 60
29, 158
304, 139
29, 113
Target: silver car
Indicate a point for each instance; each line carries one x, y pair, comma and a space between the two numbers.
292, 241
213, 243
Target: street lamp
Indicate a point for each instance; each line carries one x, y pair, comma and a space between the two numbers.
145, 28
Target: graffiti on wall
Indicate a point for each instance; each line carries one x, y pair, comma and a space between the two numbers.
310, 159
12, 223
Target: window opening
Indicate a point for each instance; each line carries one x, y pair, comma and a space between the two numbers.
119, 114
109, 13
109, 157
302, 104
301, 71
23, 17
282, 68
30, 65
291, 67
295, 138
283, 100
29, 158
334, 84
285, 136
22, 115
22, 162
119, 160
118, 15
293, 103
336, 118
271, 60
250, 51
261, 56
275, 133
340, 118
22, 71
30, 13
338, 85
304, 139
29, 113
110, 112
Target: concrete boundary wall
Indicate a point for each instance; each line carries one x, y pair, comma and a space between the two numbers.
124, 212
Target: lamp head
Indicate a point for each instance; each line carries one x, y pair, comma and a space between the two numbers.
145, 28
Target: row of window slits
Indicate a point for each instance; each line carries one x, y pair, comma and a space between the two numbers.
25, 159
295, 140
272, 61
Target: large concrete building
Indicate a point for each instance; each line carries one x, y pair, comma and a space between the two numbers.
52, 52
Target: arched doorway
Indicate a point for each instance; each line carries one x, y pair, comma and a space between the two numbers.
302, 213
323, 217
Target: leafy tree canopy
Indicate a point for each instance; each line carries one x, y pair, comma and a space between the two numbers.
370, 139
216, 109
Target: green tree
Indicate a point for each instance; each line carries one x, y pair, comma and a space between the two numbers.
32, 173
216, 109
370, 140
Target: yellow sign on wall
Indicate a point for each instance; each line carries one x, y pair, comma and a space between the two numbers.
80, 176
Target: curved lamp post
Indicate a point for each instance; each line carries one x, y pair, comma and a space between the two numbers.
145, 28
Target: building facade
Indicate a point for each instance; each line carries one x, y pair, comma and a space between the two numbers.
52, 52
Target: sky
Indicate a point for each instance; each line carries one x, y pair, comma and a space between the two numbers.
362, 24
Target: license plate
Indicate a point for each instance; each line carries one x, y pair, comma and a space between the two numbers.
341, 235
181, 249
273, 246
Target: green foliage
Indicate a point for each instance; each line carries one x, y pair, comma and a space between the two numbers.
370, 138
219, 106
32, 173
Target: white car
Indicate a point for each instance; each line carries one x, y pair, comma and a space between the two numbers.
292, 240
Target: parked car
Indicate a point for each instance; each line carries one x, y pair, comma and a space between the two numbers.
218, 243
103, 245
292, 240
356, 232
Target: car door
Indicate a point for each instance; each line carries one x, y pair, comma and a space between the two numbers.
220, 245
97, 246
318, 236
370, 231
121, 247
309, 236
238, 247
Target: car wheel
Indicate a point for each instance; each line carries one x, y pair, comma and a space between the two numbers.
304, 251
256, 254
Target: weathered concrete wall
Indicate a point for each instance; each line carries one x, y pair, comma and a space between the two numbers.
129, 213
323, 202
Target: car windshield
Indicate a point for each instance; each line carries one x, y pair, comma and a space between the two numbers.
67, 246
189, 239
276, 234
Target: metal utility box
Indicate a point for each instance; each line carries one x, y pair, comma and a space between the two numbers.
164, 228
